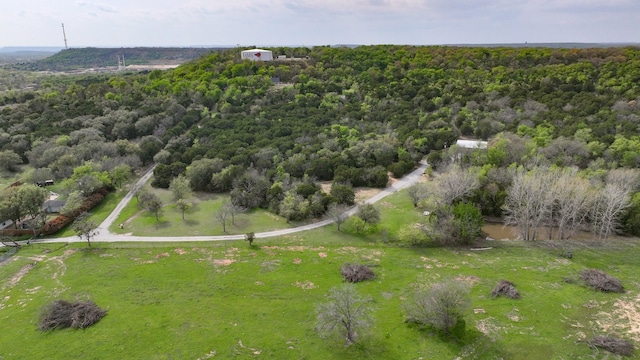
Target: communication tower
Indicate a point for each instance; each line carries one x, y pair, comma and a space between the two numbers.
65, 37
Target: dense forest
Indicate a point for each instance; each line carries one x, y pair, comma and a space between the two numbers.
269, 131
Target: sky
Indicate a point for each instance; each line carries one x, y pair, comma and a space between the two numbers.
127, 23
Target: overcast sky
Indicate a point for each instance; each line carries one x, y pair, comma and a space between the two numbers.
124, 23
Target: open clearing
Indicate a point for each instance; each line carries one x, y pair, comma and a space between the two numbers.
226, 300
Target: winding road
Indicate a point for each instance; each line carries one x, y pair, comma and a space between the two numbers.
104, 235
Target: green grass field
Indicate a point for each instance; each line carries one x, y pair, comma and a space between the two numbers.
198, 220
200, 300
197, 300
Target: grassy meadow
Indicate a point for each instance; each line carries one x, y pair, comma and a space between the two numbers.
201, 300
227, 300
198, 220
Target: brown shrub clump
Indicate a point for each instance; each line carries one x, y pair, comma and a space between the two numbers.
601, 281
507, 289
61, 314
355, 273
612, 344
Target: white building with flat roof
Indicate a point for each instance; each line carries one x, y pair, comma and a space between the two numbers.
472, 144
257, 55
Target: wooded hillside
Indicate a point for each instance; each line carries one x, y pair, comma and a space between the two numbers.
343, 114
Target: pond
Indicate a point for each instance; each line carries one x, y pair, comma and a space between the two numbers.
507, 232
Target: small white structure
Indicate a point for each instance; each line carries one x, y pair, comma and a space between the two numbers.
472, 144
257, 55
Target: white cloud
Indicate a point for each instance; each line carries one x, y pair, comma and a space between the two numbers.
271, 22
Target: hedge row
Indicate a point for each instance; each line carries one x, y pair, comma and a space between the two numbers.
91, 201
55, 225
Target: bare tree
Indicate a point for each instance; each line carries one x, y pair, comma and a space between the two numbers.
627, 179
573, 198
612, 199
222, 215
441, 306
345, 313
609, 203
529, 201
338, 213
85, 229
418, 193
234, 209
454, 184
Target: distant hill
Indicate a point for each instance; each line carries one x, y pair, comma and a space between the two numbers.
22, 54
85, 58
567, 45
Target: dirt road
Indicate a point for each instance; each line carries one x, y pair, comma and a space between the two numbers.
106, 236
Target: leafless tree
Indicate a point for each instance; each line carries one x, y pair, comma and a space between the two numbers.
345, 313
338, 213
223, 213
234, 209
609, 203
573, 197
454, 184
418, 193
627, 179
529, 201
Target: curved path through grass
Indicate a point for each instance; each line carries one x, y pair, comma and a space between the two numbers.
105, 235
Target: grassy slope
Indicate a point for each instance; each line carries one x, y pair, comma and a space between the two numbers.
198, 220
182, 302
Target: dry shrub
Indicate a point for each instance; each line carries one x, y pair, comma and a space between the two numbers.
601, 281
355, 273
61, 314
507, 289
612, 344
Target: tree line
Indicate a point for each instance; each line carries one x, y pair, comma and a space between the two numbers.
347, 115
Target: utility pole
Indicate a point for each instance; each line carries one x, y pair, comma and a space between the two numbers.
65, 37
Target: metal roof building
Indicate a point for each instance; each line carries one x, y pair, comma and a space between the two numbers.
257, 55
472, 144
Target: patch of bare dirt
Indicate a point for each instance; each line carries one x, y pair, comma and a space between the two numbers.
471, 280
514, 315
363, 194
33, 291
322, 255
305, 285
15, 279
489, 327
223, 262
625, 318
180, 251
325, 186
